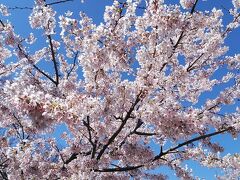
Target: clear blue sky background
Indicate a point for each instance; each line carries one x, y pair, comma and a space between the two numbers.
95, 9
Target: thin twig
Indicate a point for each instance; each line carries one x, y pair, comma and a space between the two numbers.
58, 2
190, 67
20, 8
74, 64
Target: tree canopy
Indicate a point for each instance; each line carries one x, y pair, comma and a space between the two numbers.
127, 91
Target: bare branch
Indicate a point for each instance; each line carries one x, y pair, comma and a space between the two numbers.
45, 74
58, 2
54, 59
20, 8
144, 133
37, 68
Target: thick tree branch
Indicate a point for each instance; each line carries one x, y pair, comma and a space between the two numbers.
74, 156
144, 133
119, 169
71, 158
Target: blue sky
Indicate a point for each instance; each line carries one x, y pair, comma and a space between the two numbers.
95, 9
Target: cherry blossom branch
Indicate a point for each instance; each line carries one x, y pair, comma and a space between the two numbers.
71, 158
182, 33
120, 15
138, 125
178, 41
30, 8
58, 2
94, 146
17, 132
194, 7
3, 163
20, 8
190, 142
35, 66
119, 169
54, 59
190, 67
162, 153
229, 29
45, 74
60, 154
4, 175
124, 121
74, 156
126, 4
21, 126
2, 23
218, 103
144, 133
74, 64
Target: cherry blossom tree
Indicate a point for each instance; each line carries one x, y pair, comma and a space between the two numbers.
118, 87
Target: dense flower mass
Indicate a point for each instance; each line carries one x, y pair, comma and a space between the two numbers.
126, 94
